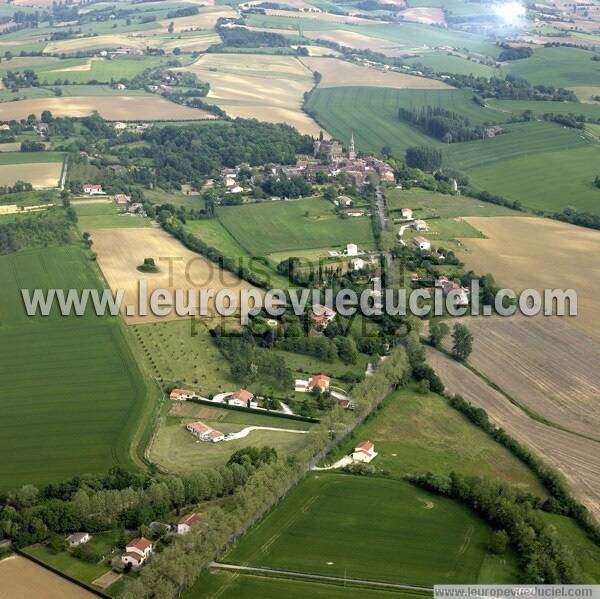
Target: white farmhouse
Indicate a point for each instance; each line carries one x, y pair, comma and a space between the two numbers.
78, 538
352, 249
422, 243
137, 552
420, 225
186, 522
364, 452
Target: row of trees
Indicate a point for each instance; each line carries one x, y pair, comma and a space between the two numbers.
442, 124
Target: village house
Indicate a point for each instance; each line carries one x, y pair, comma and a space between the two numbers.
4, 127
78, 538
241, 398
204, 432
422, 243
344, 201
236, 189
181, 394
135, 208
120, 86
187, 522
119, 126
357, 264
319, 381
331, 150
137, 552
321, 315
92, 189
460, 293
364, 452
407, 213
121, 199
420, 225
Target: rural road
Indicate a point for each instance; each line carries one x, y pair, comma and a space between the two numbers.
317, 577
380, 202
246, 431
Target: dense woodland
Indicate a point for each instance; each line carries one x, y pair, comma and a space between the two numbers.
445, 125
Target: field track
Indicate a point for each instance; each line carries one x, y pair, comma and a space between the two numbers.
576, 458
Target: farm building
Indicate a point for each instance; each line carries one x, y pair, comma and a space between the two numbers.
420, 225
181, 394
186, 522
78, 538
121, 199
137, 552
460, 293
355, 212
241, 398
92, 189
352, 249
364, 452
407, 213
422, 243
344, 201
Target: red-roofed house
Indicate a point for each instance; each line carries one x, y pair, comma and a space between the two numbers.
241, 398
181, 394
320, 381
204, 432
137, 552
322, 315
121, 199
364, 452
186, 522
215, 436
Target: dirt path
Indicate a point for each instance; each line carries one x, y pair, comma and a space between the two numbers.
576, 458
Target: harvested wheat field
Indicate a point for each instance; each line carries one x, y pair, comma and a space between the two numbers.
319, 51
112, 108
121, 251
268, 88
326, 17
527, 252
83, 44
191, 43
585, 94
578, 459
21, 578
359, 41
339, 73
543, 363
426, 16
41, 175
206, 19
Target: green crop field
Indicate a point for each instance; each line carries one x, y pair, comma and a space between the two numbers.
54, 426
106, 216
30, 157
442, 62
540, 108
561, 67
415, 433
426, 204
227, 585
288, 225
376, 529
372, 114
549, 181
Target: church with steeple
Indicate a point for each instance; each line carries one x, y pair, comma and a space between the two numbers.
351, 148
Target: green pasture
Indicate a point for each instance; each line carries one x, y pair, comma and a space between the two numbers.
373, 528
7, 158
74, 394
276, 226
442, 62
106, 215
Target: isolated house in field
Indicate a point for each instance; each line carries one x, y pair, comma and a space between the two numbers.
355, 212
422, 243
241, 398
407, 213
187, 522
78, 538
352, 249
121, 199
320, 382
420, 225
137, 552
92, 189
204, 432
364, 452
181, 394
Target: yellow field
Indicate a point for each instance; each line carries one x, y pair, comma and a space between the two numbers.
320, 51
121, 251
427, 16
195, 43
584, 94
351, 39
322, 16
268, 88
339, 73
527, 252
116, 40
112, 108
206, 19
21, 578
40, 174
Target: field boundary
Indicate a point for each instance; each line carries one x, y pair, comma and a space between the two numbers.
336, 580
52, 569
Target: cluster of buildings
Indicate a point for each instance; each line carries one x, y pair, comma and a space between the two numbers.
120, 199
460, 292
241, 398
